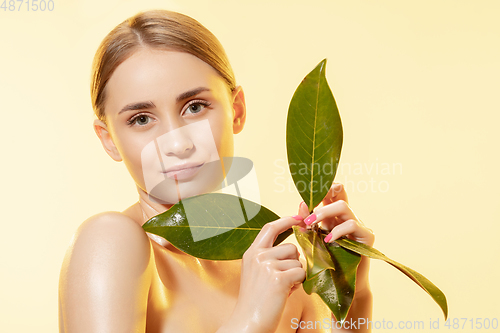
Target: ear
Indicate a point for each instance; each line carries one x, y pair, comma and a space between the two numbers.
239, 108
102, 132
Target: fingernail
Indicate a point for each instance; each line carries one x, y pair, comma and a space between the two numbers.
328, 238
297, 217
310, 219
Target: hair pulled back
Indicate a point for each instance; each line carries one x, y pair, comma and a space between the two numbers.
161, 29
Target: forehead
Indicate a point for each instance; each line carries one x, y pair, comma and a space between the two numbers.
150, 73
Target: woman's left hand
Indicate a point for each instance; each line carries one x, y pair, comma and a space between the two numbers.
336, 215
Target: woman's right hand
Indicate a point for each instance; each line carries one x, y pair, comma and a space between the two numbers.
268, 276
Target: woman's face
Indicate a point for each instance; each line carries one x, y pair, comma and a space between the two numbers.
170, 110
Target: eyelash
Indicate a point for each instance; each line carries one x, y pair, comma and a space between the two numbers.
133, 119
198, 101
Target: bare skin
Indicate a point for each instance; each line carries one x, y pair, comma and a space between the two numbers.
202, 289
115, 278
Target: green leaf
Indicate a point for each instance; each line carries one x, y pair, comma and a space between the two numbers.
313, 137
331, 271
418, 278
317, 257
213, 226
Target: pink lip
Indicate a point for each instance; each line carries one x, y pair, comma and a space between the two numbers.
183, 171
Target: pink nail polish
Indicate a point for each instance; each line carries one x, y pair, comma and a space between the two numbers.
310, 219
328, 238
297, 217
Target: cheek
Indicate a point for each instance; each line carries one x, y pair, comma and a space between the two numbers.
135, 152
206, 138
131, 149
222, 129
151, 165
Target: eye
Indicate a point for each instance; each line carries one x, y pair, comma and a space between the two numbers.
196, 106
140, 119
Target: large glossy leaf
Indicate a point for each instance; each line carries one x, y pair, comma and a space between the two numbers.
317, 256
418, 278
331, 271
213, 226
313, 137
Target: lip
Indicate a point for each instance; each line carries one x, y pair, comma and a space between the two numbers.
183, 171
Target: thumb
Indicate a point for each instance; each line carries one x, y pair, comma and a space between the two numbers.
303, 210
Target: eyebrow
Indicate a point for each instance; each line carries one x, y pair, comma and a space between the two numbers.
190, 93
150, 105
137, 106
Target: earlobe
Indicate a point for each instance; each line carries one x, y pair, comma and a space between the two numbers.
102, 132
239, 108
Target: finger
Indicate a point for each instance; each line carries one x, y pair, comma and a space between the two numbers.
284, 265
339, 209
280, 252
271, 230
293, 276
354, 229
329, 223
295, 287
336, 192
289, 278
303, 210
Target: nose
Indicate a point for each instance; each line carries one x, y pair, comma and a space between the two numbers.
176, 142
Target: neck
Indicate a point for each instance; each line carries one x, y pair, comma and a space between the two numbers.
146, 209
149, 207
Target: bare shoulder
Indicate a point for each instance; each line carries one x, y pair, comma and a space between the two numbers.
113, 225
111, 243
110, 234
107, 267
120, 222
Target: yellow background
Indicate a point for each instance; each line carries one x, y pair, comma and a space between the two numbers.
417, 85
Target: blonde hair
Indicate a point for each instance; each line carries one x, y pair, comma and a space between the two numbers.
160, 29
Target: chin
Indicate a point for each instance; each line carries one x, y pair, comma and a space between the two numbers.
168, 193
